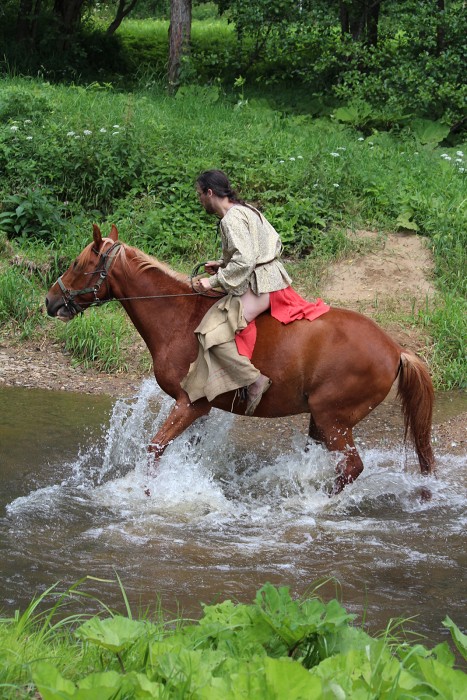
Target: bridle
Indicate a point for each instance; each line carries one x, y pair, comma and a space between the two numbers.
69, 295
107, 259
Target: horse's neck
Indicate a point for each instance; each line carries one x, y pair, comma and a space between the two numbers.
157, 300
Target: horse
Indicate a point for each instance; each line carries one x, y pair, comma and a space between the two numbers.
337, 368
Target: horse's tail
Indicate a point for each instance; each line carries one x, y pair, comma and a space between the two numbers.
415, 389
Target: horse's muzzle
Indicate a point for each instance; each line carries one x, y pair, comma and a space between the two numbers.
57, 307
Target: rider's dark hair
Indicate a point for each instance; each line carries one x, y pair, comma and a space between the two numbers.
219, 183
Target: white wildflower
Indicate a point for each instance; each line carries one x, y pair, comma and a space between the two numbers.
28, 138
300, 157
86, 132
282, 161
103, 131
335, 155
448, 158
360, 138
14, 128
71, 133
459, 160
335, 184
115, 133
292, 158
341, 148
28, 121
462, 170
115, 126
459, 153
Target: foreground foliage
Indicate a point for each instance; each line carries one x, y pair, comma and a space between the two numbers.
274, 648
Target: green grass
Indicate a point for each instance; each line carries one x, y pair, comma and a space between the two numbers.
20, 312
137, 162
272, 648
100, 338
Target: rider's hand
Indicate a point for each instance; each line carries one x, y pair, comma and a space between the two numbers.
212, 266
202, 284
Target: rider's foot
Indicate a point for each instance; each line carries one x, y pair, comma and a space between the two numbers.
255, 393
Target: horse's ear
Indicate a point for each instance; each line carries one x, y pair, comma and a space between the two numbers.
96, 232
114, 233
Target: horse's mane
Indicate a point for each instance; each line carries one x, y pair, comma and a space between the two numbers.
142, 260
147, 262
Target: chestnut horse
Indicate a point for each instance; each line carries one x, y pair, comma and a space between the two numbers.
337, 368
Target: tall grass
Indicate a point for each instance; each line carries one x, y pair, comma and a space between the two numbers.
20, 312
99, 338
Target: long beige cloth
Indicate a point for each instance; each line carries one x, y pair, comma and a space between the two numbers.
219, 367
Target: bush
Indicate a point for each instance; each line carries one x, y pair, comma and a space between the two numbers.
20, 303
98, 340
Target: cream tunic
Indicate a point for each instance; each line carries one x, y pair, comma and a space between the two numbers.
250, 251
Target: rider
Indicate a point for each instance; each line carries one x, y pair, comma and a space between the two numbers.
254, 280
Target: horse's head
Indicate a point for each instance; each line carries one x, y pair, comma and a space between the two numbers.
85, 282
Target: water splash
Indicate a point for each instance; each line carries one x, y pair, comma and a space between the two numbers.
209, 475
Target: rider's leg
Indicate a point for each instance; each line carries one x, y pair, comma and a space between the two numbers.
253, 305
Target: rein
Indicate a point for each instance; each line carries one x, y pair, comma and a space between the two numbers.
108, 258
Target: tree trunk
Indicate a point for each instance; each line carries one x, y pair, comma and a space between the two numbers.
440, 32
372, 23
344, 18
68, 13
179, 39
360, 18
24, 21
122, 12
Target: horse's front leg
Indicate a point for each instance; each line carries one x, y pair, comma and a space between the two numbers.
182, 415
349, 467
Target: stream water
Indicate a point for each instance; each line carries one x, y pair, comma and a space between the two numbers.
235, 502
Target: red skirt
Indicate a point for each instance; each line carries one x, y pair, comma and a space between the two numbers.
286, 306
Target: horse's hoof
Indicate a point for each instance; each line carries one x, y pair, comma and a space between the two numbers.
425, 494
337, 486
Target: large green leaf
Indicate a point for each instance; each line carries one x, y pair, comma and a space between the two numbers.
429, 132
294, 621
52, 686
459, 638
114, 633
265, 679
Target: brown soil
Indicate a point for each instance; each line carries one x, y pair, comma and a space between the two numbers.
393, 279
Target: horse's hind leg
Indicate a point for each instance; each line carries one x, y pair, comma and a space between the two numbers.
314, 434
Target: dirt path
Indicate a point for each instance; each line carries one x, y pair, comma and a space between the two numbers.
395, 277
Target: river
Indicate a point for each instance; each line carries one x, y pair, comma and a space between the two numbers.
235, 502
